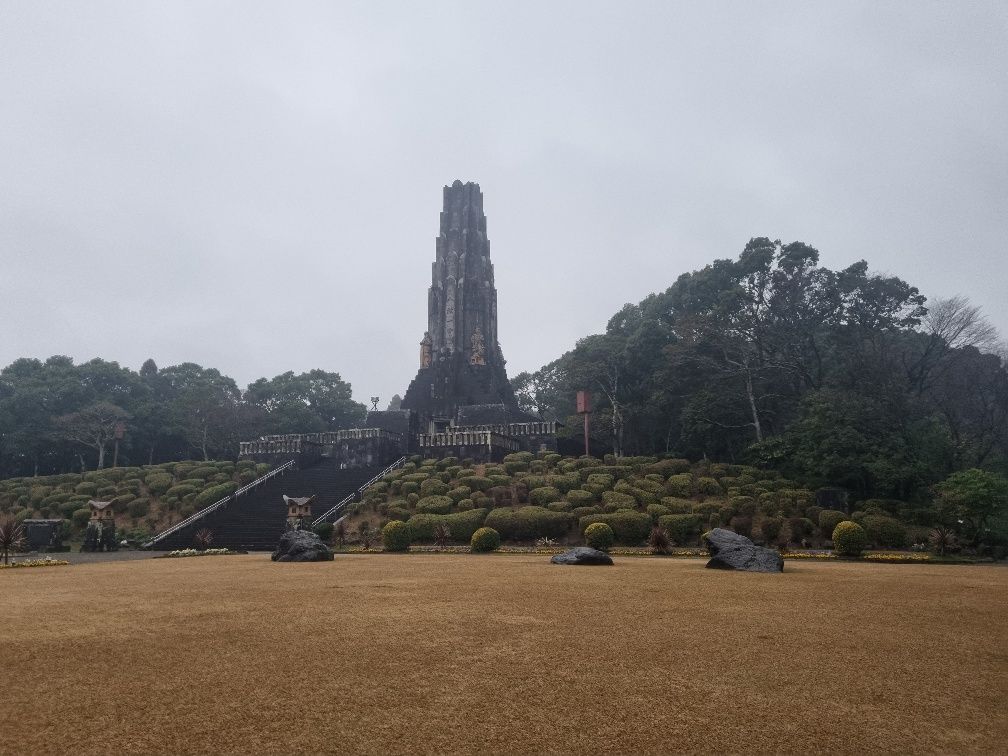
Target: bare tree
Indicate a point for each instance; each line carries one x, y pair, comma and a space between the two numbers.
94, 426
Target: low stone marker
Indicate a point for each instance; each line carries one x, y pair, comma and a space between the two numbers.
301, 546
582, 555
731, 551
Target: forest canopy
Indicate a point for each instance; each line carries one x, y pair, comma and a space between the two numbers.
57, 417
846, 378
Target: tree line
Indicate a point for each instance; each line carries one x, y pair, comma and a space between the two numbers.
845, 378
57, 416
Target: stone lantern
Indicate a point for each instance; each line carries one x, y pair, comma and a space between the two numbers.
298, 511
101, 529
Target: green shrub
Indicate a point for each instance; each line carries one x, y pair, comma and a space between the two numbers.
771, 527
680, 485
707, 508
543, 496
461, 524
433, 487
409, 487
578, 512
484, 540
800, 528
676, 505
630, 528
559, 506
668, 467
459, 493
885, 532
529, 523
324, 530
397, 513
67, 509
214, 493
396, 536
180, 491
829, 519
90, 489
80, 517
614, 500
435, 505
578, 497
849, 538
682, 528
709, 487
599, 536
601, 479
206, 471
158, 482
658, 510
138, 508
476, 483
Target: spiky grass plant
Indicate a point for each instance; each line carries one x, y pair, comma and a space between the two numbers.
203, 537
366, 535
442, 536
11, 536
659, 540
340, 533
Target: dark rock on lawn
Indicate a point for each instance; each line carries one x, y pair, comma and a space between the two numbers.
731, 551
582, 555
301, 546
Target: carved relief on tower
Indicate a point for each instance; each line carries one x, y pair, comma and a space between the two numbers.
450, 319
425, 351
477, 348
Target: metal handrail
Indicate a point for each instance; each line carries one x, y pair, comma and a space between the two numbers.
217, 504
351, 496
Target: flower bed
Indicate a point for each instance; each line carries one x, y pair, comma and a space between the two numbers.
44, 562
196, 553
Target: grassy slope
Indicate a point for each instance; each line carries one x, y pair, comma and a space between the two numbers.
144, 498
713, 493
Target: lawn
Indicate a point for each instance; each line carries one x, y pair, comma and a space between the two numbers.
435, 653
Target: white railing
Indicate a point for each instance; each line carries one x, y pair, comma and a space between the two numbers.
294, 442
218, 504
461, 438
351, 496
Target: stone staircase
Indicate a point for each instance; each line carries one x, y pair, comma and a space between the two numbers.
255, 520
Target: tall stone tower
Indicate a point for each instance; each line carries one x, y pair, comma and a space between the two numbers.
462, 377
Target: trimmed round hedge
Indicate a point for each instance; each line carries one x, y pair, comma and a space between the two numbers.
396, 536
599, 536
849, 539
484, 540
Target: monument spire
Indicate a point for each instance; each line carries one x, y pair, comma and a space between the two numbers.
460, 358
462, 301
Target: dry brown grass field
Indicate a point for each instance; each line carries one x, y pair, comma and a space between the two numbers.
437, 653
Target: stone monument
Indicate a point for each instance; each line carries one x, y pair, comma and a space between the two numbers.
461, 363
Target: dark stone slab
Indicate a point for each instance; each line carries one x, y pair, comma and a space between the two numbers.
301, 546
582, 555
731, 551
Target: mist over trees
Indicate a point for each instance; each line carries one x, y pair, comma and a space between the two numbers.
845, 378
56, 416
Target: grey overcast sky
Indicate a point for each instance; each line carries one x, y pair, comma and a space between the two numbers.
255, 186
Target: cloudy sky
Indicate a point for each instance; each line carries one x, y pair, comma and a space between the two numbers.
256, 186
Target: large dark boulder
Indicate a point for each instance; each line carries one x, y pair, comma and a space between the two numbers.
582, 555
301, 546
731, 551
